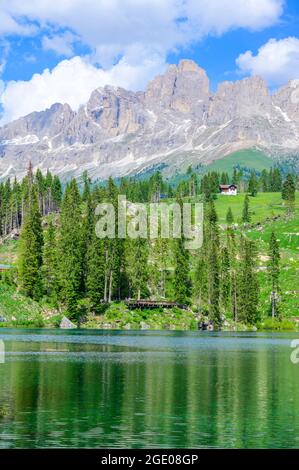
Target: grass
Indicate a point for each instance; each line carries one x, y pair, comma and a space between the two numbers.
8, 252
17, 309
261, 206
118, 316
249, 158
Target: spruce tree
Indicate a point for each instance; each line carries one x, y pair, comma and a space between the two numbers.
289, 192
137, 266
182, 282
225, 280
86, 186
253, 184
70, 249
88, 228
248, 291
56, 193
96, 272
229, 216
277, 180
213, 264
273, 272
31, 245
264, 181
246, 213
50, 275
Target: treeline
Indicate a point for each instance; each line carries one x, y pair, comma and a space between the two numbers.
208, 184
13, 197
63, 262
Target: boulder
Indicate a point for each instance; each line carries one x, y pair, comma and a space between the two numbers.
2, 319
144, 326
66, 324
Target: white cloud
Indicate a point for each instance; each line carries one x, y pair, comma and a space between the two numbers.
137, 35
218, 16
277, 61
4, 52
72, 82
9, 25
61, 44
111, 26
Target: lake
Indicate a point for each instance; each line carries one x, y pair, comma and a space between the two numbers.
141, 389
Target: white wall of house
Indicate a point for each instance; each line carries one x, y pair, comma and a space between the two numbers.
230, 192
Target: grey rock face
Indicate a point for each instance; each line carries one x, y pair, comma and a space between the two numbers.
66, 324
175, 122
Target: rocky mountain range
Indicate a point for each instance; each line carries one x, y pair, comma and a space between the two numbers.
175, 122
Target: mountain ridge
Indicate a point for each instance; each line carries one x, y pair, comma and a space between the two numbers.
176, 121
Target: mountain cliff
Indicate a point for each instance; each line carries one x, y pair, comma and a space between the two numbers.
175, 122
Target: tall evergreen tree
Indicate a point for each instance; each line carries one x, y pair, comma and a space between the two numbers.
31, 245
50, 265
246, 213
225, 280
56, 193
182, 281
248, 287
70, 249
274, 271
253, 184
288, 192
96, 272
213, 263
137, 266
229, 216
264, 181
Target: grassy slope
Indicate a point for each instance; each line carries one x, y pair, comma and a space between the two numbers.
249, 158
17, 309
263, 206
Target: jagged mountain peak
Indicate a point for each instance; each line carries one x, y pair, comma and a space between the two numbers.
176, 121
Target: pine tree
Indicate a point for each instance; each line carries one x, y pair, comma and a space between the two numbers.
31, 245
88, 228
137, 266
248, 287
253, 184
86, 186
274, 271
288, 192
213, 265
225, 280
246, 214
56, 193
70, 249
96, 272
229, 216
277, 180
264, 181
182, 282
50, 275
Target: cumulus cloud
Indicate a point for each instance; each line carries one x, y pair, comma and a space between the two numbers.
72, 82
164, 24
277, 61
136, 35
219, 16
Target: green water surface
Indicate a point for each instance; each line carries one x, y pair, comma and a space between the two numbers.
141, 389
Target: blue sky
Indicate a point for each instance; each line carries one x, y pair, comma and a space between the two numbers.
62, 52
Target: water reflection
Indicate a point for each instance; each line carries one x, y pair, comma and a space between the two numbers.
126, 389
